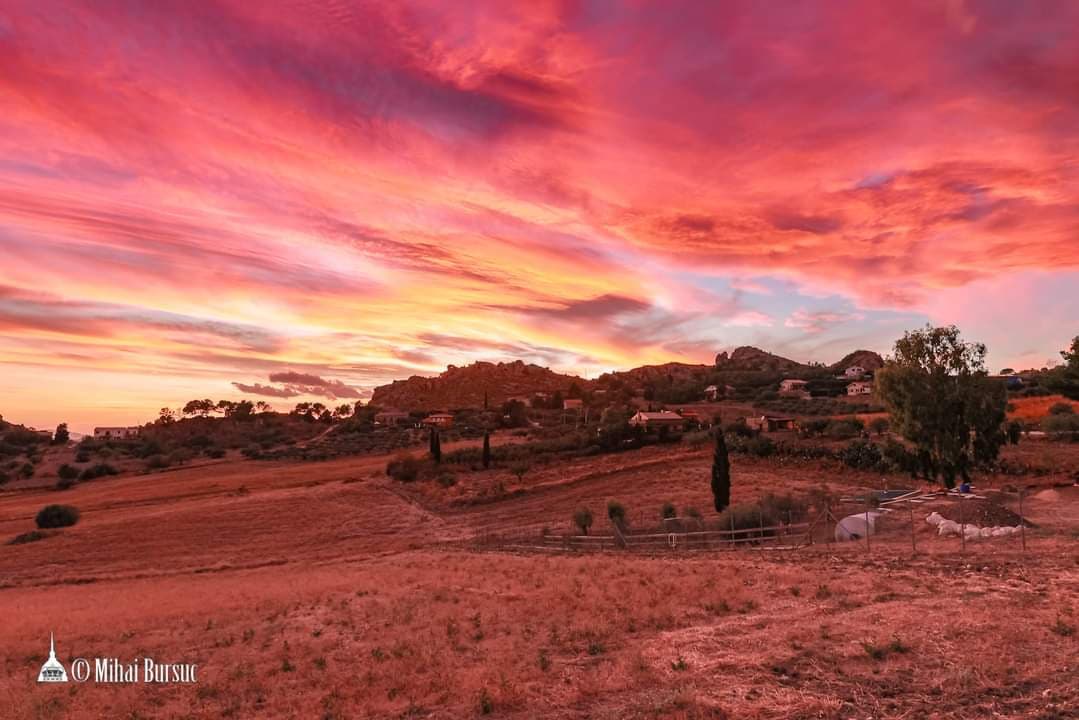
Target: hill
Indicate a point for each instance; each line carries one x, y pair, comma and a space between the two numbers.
863, 358
460, 387
751, 359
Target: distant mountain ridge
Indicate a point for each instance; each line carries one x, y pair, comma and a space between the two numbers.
461, 387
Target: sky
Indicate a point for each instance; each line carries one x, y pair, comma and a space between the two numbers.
299, 200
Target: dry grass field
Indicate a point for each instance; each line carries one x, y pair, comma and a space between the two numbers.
326, 590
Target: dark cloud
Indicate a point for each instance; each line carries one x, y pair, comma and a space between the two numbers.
266, 390
782, 219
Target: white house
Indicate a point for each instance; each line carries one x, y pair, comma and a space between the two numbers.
854, 371
711, 392
860, 387
663, 418
105, 433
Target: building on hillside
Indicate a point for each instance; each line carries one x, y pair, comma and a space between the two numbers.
439, 420
114, 433
392, 417
44, 433
656, 420
854, 371
711, 393
860, 387
795, 388
770, 423
572, 404
692, 417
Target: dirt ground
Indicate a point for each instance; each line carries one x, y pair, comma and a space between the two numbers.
325, 590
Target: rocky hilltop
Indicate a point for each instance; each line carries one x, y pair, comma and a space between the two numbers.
460, 387
749, 358
863, 358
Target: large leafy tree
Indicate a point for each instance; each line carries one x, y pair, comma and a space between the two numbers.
941, 399
721, 473
1065, 379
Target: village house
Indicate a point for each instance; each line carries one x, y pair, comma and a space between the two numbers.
795, 388
107, 433
656, 420
711, 393
854, 371
439, 420
392, 417
572, 404
692, 417
770, 423
860, 387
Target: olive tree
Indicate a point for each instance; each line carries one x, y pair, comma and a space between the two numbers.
940, 398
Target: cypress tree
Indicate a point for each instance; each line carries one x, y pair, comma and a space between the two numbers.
486, 450
436, 446
721, 473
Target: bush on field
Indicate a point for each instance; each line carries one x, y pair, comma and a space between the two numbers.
67, 472
1063, 423
844, 429
862, 455
56, 516
404, 468
1061, 408
770, 510
98, 470
157, 462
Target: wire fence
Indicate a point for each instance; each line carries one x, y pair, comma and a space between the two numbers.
969, 520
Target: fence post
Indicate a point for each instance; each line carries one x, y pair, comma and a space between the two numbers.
1022, 522
962, 525
913, 545
867, 528
732, 531
760, 524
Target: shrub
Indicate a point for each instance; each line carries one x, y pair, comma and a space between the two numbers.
403, 468
67, 472
4, 477
252, 452
1061, 408
446, 479
82, 456
215, 452
1015, 432
157, 462
862, 455
582, 518
519, 469
57, 516
28, 537
616, 513
1062, 423
96, 471
760, 446
668, 511
26, 471
844, 429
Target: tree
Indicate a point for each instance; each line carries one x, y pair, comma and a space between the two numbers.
940, 398
166, 416
263, 407
61, 436
342, 411
436, 446
202, 408
519, 469
879, 425
721, 473
1065, 379
583, 519
616, 513
486, 450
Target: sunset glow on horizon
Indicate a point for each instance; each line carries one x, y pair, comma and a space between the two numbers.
297, 200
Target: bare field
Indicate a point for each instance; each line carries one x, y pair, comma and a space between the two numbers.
325, 590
